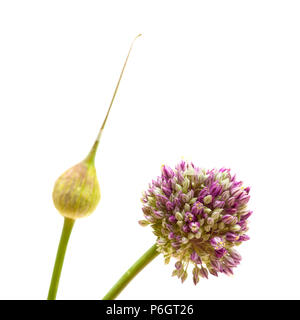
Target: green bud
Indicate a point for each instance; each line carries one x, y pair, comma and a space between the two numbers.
225, 183
198, 235
221, 225
215, 227
180, 223
76, 192
201, 178
207, 228
184, 240
189, 172
207, 210
236, 227
178, 216
144, 223
192, 201
152, 201
186, 184
207, 199
174, 273
187, 207
215, 215
190, 235
201, 221
184, 276
167, 259
178, 187
206, 236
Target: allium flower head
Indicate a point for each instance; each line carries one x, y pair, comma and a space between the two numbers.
198, 216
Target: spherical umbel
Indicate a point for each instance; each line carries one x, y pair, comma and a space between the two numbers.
76, 192
198, 216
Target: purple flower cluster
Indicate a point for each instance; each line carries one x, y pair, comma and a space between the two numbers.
198, 216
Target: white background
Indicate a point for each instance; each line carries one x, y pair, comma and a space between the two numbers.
215, 82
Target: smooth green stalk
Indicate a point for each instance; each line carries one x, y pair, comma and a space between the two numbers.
139, 265
65, 235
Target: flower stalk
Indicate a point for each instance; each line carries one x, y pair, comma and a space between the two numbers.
60, 256
139, 265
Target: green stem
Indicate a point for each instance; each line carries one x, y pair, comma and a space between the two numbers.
139, 265
62, 247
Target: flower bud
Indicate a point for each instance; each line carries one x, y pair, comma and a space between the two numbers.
143, 223
178, 216
207, 199
76, 192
